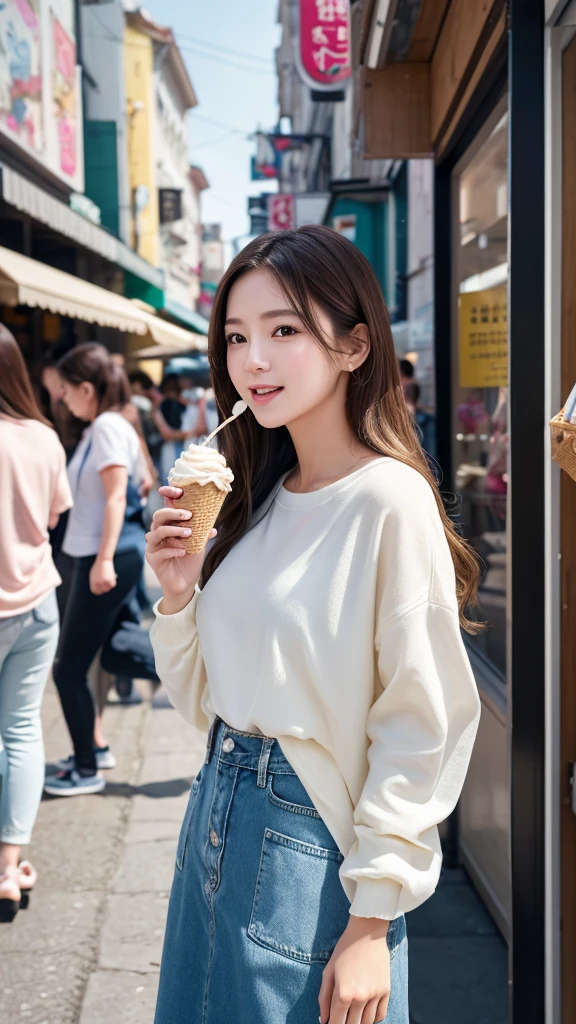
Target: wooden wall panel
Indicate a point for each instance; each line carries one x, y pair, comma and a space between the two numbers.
396, 106
426, 29
496, 40
568, 540
461, 35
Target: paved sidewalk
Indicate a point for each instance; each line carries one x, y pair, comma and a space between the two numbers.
87, 951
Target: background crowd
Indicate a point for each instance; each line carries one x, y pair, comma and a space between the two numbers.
83, 448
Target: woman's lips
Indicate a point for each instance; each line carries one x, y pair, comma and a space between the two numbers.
263, 399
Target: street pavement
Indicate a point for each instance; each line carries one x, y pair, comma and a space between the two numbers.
87, 951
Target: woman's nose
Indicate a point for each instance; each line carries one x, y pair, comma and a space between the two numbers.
256, 359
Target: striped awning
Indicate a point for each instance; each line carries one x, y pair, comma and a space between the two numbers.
27, 282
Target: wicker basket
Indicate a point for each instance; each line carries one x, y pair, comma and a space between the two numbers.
563, 441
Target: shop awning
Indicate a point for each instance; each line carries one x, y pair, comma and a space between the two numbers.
27, 282
185, 316
166, 350
21, 193
170, 337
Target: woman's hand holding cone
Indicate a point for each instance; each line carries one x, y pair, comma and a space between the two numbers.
177, 571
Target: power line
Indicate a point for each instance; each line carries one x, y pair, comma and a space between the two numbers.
113, 37
219, 124
224, 60
211, 142
225, 49
227, 202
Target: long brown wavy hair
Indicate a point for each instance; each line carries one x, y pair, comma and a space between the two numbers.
318, 268
16, 395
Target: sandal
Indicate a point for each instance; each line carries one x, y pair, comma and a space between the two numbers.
27, 881
9, 894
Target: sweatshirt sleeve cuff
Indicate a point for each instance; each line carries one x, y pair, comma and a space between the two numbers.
179, 626
377, 898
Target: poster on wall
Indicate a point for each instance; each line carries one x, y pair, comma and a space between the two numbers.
21, 73
40, 95
324, 51
483, 338
64, 98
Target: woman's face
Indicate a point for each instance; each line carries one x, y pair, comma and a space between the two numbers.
53, 383
81, 400
274, 363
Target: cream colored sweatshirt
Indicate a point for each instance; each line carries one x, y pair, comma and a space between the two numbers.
332, 625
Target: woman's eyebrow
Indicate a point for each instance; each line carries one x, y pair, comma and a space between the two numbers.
271, 314
278, 312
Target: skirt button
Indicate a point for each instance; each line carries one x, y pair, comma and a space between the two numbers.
228, 745
213, 838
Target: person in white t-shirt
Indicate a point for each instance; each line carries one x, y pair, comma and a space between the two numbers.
104, 537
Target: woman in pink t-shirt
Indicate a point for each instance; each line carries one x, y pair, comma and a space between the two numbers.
34, 491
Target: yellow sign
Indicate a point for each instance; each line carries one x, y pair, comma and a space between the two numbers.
484, 338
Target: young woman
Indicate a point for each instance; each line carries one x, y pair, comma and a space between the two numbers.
321, 641
34, 492
105, 538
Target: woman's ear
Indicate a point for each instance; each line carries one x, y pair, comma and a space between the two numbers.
359, 347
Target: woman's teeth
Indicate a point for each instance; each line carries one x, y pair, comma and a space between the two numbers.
263, 395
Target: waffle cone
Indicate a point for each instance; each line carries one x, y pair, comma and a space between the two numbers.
205, 503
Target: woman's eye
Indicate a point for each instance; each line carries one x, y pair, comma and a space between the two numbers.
285, 331
235, 339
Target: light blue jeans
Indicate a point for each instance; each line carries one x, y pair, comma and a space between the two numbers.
27, 649
257, 905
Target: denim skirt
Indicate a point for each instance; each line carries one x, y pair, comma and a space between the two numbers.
257, 905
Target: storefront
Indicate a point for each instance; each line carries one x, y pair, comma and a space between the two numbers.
560, 66
463, 83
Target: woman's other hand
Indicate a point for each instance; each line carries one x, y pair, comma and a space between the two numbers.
356, 980
177, 571
102, 576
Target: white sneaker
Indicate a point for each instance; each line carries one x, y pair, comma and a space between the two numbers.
70, 783
104, 759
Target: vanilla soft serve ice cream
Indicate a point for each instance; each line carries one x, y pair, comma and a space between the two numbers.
201, 465
206, 481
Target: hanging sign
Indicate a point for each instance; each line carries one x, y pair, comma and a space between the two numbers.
169, 204
484, 338
324, 51
281, 212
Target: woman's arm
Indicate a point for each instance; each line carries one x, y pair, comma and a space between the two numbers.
421, 731
174, 635
166, 433
149, 476
102, 574
61, 499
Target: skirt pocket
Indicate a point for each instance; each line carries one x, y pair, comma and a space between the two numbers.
286, 791
184, 831
299, 909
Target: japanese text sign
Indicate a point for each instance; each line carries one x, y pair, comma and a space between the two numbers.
484, 338
281, 212
325, 59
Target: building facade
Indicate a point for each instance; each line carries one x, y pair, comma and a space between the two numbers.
385, 206
67, 262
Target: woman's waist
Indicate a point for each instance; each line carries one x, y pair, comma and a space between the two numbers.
245, 749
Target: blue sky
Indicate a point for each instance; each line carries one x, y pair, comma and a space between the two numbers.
235, 91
